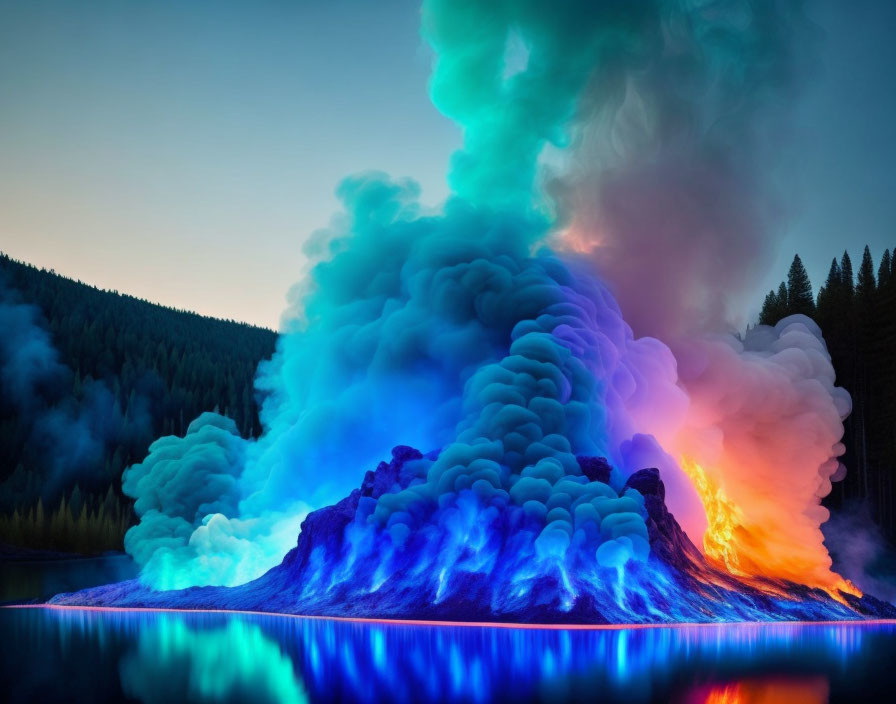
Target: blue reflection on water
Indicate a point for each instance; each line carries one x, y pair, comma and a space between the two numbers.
169, 657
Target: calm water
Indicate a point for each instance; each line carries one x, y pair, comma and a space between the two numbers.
38, 580
86, 656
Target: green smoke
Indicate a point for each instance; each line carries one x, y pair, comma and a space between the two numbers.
509, 118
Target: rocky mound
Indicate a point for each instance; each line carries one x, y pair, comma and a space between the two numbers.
320, 576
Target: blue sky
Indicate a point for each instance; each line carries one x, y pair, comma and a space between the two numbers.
182, 151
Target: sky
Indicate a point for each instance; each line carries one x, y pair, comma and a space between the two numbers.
183, 151
844, 141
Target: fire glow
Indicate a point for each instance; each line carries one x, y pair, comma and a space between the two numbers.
721, 515
725, 531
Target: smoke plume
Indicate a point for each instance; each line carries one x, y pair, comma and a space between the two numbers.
483, 333
860, 552
67, 436
676, 186
675, 198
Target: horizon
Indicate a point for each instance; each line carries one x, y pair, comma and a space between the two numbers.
855, 258
185, 311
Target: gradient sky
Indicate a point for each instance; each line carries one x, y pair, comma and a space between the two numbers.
182, 151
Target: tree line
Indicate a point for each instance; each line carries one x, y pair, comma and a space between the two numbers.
162, 368
79, 524
857, 315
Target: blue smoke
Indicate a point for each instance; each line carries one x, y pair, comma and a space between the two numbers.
67, 436
458, 332
440, 332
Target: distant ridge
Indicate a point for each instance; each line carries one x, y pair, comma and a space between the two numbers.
6, 260
157, 367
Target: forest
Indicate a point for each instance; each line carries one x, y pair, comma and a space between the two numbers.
857, 314
119, 370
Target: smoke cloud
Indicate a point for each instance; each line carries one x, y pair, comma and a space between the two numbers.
481, 332
860, 552
675, 197
185, 490
765, 422
67, 436
677, 180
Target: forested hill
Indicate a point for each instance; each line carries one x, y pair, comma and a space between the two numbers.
857, 314
122, 370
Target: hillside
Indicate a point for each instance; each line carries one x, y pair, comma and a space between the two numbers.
121, 371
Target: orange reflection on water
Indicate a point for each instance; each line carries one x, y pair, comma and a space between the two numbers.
765, 690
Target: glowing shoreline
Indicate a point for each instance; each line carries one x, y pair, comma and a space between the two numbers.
461, 624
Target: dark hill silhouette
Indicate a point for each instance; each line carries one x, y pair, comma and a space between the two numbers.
158, 368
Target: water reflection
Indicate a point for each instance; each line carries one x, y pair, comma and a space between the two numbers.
767, 690
168, 657
238, 662
38, 580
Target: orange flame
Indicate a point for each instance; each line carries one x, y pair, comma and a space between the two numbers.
722, 517
728, 543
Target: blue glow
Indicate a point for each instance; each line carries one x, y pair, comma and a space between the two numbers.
219, 657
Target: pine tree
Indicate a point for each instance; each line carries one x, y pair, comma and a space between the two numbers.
834, 276
865, 283
827, 295
774, 307
783, 302
770, 309
885, 269
75, 500
799, 290
38, 532
846, 274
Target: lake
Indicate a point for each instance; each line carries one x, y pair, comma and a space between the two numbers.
86, 656
30, 580
142, 656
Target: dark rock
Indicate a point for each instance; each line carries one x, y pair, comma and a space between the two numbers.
597, 469
326, 526
318, 578
648, 483
870, 606
386, 476
667, 539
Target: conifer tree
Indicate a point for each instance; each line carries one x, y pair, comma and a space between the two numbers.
884, 271
783, 303
769, 313
846, 278
827, 294
865, 283
799, 290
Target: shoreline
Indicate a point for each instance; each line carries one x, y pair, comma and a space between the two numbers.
456, 624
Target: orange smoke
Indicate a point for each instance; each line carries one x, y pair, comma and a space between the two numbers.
758, 437
729, 543
760, 427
